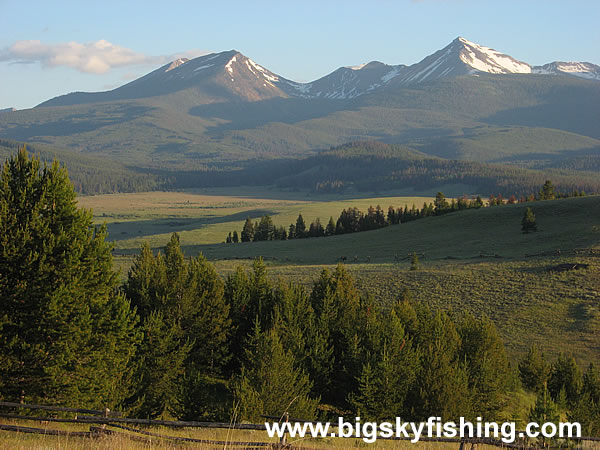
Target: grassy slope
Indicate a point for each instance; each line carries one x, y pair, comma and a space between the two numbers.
563, 224
205, 217
529, 303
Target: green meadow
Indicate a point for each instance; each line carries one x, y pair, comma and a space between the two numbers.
474, 260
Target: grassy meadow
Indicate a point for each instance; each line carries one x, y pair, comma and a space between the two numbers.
474, 260
206, 216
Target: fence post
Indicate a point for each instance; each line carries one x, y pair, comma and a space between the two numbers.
283, 439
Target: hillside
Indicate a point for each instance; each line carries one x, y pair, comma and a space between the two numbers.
563, 224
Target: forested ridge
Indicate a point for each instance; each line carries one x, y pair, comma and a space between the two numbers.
176, 340
365, 166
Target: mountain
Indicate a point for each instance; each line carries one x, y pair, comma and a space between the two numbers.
6, 110
577, 69
214, 78
230, 76
223, 111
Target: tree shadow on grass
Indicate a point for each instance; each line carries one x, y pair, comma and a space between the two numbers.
140, 228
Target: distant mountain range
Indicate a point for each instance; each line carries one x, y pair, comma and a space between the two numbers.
230, 75
224, 112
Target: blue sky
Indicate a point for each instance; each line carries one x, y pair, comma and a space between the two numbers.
52, 48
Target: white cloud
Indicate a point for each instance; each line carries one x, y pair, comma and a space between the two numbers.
92, 57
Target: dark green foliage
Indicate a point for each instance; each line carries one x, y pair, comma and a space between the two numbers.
65, 332
187, 324
547, 192
534, 370
248, 231
488, 371
264, 230
159, 367
204, 398
586, 409
414, 261
300, 228
271, 382
565, 376
528, 223
440, 203
442, 382
544, 411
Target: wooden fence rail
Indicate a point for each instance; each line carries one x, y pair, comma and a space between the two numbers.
60, 408
117, 423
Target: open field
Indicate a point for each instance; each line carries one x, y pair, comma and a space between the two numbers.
475, 260
206, 216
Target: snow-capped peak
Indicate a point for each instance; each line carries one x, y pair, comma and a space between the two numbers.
175, 64
578, 69
485, 59
360, 66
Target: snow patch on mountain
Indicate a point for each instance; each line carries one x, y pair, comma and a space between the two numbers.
229, 67
578, 69
486, 59
175, 64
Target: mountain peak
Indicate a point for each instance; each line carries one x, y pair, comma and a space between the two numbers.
177, 63
485, 59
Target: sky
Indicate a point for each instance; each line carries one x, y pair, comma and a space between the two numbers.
50, 48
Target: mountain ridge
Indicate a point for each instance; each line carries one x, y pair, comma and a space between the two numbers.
232, 76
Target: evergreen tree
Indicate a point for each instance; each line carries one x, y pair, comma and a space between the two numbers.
414, 261
487, 365
159, 367
544, 411
265, 231
316, 229
292, 231
565, 376
528, 223
300, 229
442, 382
235, 239
66, 335
534, 370
586, 409
330, 229
440, 203
270, 382
248, 231
547, 192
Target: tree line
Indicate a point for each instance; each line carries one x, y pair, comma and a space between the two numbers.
352, 220
177, 340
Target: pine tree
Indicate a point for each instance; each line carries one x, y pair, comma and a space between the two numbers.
270, 383
330, 229
442, 382
235, 239
440, 203
414, 261
528, 223
248, 231
66, 335
544, 411
534, 370
159, 366
300, 229
547, 192
565, 376
487, 364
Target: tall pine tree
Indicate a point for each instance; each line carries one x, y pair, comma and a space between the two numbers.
66, 335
